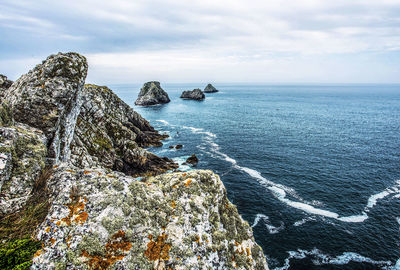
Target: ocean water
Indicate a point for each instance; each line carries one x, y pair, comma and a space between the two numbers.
314, 169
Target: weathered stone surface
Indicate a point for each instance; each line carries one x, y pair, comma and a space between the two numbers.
48, 98
195, 94
104, 220
210, 89
151, 94
22, 158
110, 134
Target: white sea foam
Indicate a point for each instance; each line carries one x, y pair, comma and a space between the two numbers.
303, 221
180, 161
379, 196
164, 122
319, 258
271, 228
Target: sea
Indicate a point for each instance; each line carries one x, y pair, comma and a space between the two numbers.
314, 169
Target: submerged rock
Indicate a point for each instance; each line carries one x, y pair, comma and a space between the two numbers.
195, 94
110, 134
192, 160
48, 98
210, 89
177, 221
151, 94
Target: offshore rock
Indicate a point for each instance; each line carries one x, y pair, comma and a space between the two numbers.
192, 160
48, 98
111, 134
210, 89
22, 158
151, 94
195, 94
103, 220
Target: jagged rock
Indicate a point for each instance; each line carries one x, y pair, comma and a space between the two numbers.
192, 160
4, 84
110, 134
22, 159
177, 221
210, 89
48, 98
195, 94
151, 94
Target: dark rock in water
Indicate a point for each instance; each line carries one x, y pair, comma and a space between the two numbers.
111, 134
171, 147
210, 89
195, 94
48, 98
178, 146
193, 160
151, 94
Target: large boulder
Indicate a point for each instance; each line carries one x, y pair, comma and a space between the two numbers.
48, 98
22, 159
210, 89
151, 94
195, 94
106, 220
111, 134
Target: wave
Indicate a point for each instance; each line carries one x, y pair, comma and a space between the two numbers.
166, 123
319, 258
271, 229
303, 221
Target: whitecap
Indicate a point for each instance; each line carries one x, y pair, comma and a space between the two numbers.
163, 122
303, 221
180, 161
271, 228
372, 201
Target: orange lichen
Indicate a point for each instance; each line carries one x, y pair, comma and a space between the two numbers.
187, 183
115, 250
87, 172
47, 229
183, 174
159, 249
58, 223
70, 171
76, 213
173, 204
248, 251
52, 240
38, 253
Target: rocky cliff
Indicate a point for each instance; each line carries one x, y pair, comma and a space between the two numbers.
70, 157
151, 94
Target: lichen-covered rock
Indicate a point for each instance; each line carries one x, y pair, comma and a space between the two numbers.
111, 134
48, 98
195, 94
22, 158
210, 89
151, 94
106, 220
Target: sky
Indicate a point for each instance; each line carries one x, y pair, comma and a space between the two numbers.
269, 41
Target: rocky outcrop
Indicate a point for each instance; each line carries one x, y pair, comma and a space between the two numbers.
110, 134
48, 98
195, 94
4, 85
106, 220
151, 94
210, 89
192, 160
22, 158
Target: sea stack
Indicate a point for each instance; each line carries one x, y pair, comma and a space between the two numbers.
195, 94
152, 94
210, 89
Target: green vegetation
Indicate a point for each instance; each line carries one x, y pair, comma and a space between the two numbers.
17, 254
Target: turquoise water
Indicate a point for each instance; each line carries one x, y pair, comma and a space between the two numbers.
314, 169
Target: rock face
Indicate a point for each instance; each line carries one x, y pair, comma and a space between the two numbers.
4, 85
195, 94
151, 94
69, 156
103, 220
48, 98
210, 89
110, 134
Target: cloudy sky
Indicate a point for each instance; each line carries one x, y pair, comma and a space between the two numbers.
285, 41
